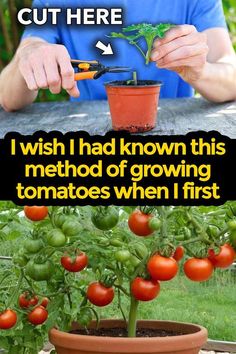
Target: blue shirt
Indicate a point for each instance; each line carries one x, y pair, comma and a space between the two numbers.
80, 40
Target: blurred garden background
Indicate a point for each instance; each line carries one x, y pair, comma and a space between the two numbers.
10, 33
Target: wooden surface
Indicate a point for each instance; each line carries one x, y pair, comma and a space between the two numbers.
49, 348
175, 117
221, 346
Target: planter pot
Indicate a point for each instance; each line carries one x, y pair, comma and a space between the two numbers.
190, 341
133, 108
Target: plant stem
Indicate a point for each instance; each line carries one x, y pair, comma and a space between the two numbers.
148, 55
120, 287
17, 287
120, 306
163, 230
198, 226
132, 325
135, 78
196, 239
137, 46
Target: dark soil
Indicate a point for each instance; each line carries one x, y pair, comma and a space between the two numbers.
131, 83
122, 332
137, 129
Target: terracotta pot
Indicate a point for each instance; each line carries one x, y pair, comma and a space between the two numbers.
190, 343
133, 108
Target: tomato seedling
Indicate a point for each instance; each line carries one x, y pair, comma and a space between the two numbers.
135, 33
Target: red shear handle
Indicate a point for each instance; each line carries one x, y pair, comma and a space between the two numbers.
88, 75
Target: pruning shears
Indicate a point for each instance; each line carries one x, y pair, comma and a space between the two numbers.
93, 70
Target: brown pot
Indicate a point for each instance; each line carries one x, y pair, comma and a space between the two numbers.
133, 108
189, 343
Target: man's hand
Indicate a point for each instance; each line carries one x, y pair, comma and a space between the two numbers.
44, 65
183, 50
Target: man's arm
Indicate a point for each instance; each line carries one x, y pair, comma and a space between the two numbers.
206, 60
36, 65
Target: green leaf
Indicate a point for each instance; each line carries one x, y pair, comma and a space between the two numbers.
14, 234
133, 28
162, 28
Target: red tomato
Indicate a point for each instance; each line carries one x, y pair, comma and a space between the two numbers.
8, 319
179, 253
139, 223
100, 295
74, 264
144, 290
33, 301
36, 213
224, 258
38, 315
45, 302
26, 301
198, 269
162, 268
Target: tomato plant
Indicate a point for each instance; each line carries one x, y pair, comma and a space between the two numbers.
134, 33
41, 287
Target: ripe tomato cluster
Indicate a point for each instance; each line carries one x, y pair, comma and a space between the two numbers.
163, 268
36, 313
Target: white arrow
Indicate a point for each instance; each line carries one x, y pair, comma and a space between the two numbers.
107, 49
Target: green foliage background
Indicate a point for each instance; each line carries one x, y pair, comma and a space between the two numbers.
10, 32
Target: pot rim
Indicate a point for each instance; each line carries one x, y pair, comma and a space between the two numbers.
125, 340
155, 83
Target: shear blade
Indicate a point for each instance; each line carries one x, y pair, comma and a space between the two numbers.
117, 69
